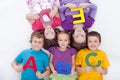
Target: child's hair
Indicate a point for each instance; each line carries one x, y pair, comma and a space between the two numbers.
38, 34
77, 45
49, 43
94, 33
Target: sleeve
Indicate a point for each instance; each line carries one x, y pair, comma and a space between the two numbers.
78, 60
51, 50
73, 51
106, 63
62, 10
19, 58
46, 61
93, 10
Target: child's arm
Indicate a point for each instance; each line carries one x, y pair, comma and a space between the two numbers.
93, 8
101, 70
17, 67
43, 75
69, 5
51, 65
81, 69
54, 11
84, 5
73, 66
31, 17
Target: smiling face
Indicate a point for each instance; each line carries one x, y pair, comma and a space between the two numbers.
37, 43
63, 40
79, 34
49, 32
93, 42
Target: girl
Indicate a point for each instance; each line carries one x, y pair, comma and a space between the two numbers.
79, 37
66, 14
62, 57
43, 13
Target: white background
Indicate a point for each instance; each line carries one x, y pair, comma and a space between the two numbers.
15, 32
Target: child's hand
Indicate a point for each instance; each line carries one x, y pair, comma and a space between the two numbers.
55, 73
39, 75
99, 70
69, 5
84, 5
88, 69
18, 68
53, 12
71, 74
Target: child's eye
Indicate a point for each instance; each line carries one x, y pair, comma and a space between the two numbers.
39, 42
60, 39
95, 41
66, 40
35, 41
89, 41
82, 35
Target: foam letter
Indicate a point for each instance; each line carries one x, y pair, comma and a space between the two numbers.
27, 65
80, 15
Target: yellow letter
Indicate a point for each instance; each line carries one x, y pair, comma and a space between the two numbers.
81, 15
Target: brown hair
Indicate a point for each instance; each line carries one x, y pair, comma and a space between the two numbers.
49, 43
38, 34
77, 45
94, 33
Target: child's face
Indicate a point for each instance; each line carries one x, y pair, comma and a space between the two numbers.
93, 42
63, 41
79, 35
49, 32
37, 43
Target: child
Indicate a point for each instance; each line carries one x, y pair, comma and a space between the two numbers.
79, 37
34, 62
92, 63
62, 57
43, 13
66, 14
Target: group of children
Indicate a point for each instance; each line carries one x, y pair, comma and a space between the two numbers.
74, 53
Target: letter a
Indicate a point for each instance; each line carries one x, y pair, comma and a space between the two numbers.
27, 65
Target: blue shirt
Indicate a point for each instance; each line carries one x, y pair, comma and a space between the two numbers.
41, 60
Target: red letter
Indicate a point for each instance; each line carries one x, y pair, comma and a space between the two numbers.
27, 65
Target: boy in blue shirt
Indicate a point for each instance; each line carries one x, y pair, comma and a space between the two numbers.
34, 62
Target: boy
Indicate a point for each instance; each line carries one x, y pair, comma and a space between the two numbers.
34, 62
92, 63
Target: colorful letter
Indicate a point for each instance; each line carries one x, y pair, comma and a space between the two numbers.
27, 65
87, 60
80, 15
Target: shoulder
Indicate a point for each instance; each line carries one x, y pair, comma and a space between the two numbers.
72, 50
52, 48
44, 53
101, 52
83, 50
25, 51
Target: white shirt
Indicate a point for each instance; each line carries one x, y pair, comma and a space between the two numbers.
36, 6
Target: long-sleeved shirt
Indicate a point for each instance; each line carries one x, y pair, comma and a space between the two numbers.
64, 11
